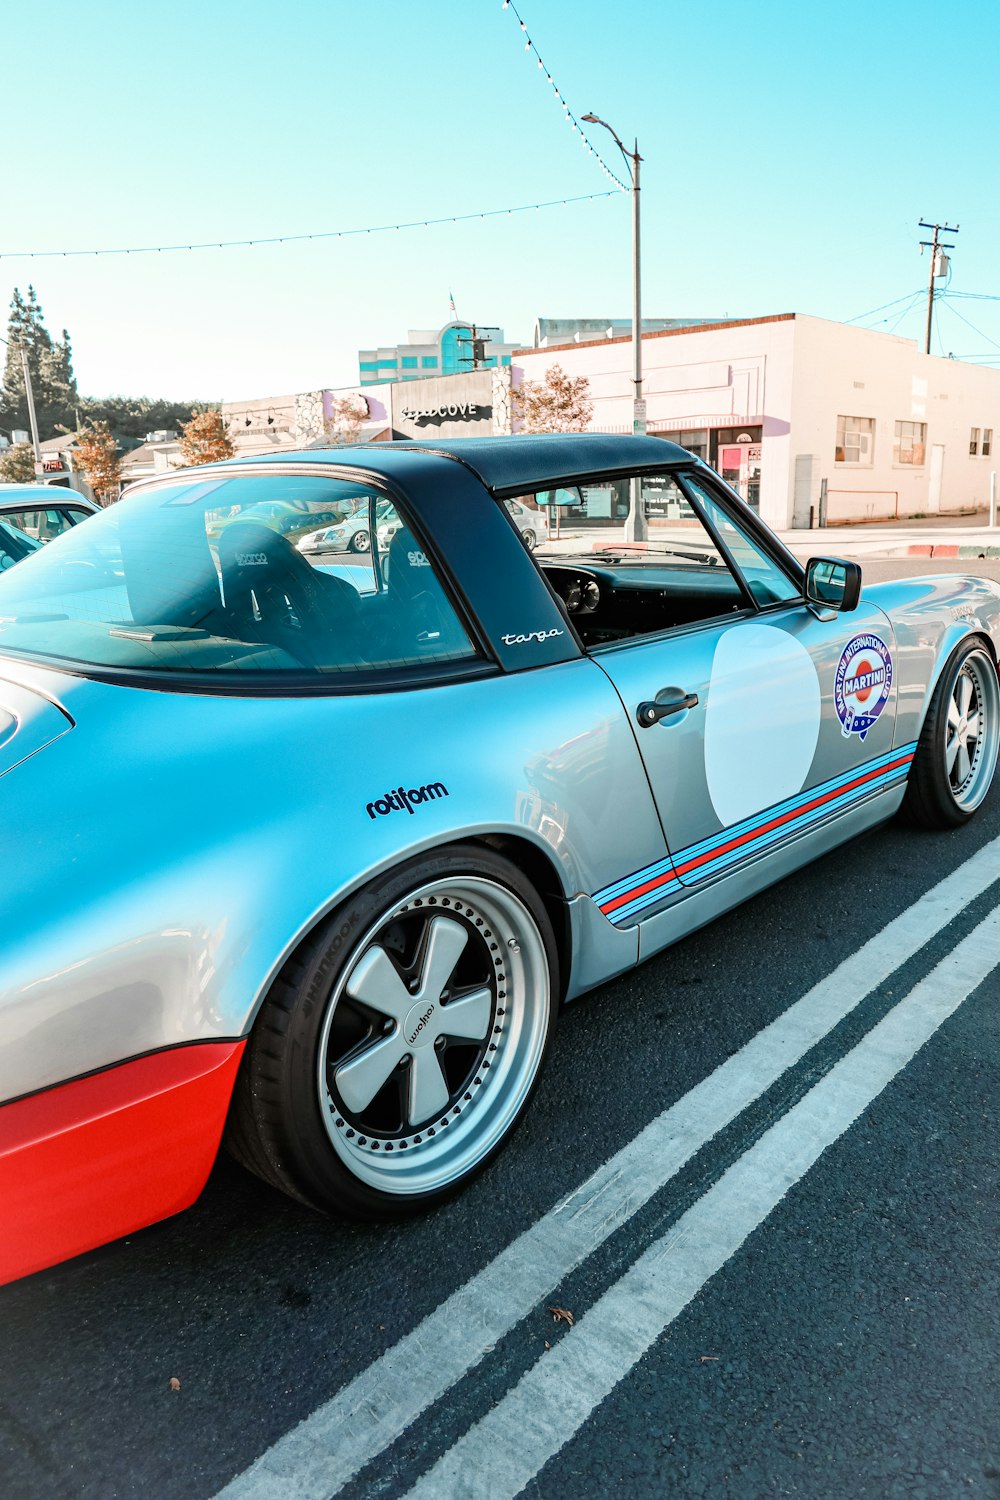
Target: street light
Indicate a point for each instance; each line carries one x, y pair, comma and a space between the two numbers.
635, 526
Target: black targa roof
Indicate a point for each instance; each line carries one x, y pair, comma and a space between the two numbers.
506, 465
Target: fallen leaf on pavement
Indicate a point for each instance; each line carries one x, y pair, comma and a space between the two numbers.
562, 1315
175, 1384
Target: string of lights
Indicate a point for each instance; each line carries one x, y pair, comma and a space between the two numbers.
289, 239
568, 114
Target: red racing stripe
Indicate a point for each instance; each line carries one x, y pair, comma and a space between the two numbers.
681, 869
86, 1162
790, 817
640, 890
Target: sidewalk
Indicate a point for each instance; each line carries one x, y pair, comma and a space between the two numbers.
931, 536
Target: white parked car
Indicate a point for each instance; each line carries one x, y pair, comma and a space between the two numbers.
353, 534
532, 524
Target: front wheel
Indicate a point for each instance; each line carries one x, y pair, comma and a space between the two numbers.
361, 542
956, 754
400, 1046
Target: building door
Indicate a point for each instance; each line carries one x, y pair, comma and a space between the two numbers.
739, 465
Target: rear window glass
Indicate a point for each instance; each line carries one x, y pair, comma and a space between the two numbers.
253, 575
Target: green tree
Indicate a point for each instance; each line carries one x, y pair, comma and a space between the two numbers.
131, 418
17, 464
51, 367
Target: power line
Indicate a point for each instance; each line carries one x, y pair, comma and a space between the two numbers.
911, 304
288, 239
957, 314
894, 303
568, 114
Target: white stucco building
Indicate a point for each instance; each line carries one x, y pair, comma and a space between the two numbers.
780, 404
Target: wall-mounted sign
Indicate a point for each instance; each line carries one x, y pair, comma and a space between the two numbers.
744, 437
450, 411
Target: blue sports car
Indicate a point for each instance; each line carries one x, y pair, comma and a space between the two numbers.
308, 858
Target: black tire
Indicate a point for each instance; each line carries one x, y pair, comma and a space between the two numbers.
361, 542
308, 1113
956, 753
530, 540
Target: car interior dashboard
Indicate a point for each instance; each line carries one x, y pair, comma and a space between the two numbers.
610, 602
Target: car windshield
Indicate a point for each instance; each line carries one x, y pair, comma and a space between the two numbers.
222, 575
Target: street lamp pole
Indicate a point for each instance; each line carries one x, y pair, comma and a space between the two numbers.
32, 419
29, 393
635, 526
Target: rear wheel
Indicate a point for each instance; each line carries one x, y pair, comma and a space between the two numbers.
530, 540
956, 754
361, 542
400, 1047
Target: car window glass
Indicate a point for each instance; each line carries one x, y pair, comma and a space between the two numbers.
15, 544
44, 524
615, 590
263, 575
766, 581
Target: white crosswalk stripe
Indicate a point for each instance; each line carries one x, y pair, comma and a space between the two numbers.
316, 1458
499, 1455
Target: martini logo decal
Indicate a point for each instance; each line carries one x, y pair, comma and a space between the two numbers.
862, 685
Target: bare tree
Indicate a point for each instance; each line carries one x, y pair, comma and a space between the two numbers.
559, 403
343, 426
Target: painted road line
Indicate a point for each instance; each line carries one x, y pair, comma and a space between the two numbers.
503, 1452
314, 1459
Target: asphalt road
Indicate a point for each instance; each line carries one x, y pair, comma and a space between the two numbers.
786, 1283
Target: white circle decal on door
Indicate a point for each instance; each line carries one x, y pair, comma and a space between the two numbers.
761, 722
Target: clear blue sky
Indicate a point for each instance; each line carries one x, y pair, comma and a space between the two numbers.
789, 151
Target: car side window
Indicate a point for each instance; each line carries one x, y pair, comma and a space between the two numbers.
44, 524
260, 575
678, 577
764, 578
358, 595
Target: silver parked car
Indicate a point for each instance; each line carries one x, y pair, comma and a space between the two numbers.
312, 860
353, 533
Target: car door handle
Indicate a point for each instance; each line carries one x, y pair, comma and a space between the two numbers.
653, 711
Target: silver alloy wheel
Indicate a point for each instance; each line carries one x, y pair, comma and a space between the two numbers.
434, 1034
361, 542
972, 731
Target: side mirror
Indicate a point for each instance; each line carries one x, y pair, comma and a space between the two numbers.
833, 583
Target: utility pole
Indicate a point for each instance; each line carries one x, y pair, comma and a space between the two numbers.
938, 260
478, 356
29, 393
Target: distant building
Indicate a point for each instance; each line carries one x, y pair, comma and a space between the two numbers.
550, 331
158, 454
455, 349
265, 424
801, 414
